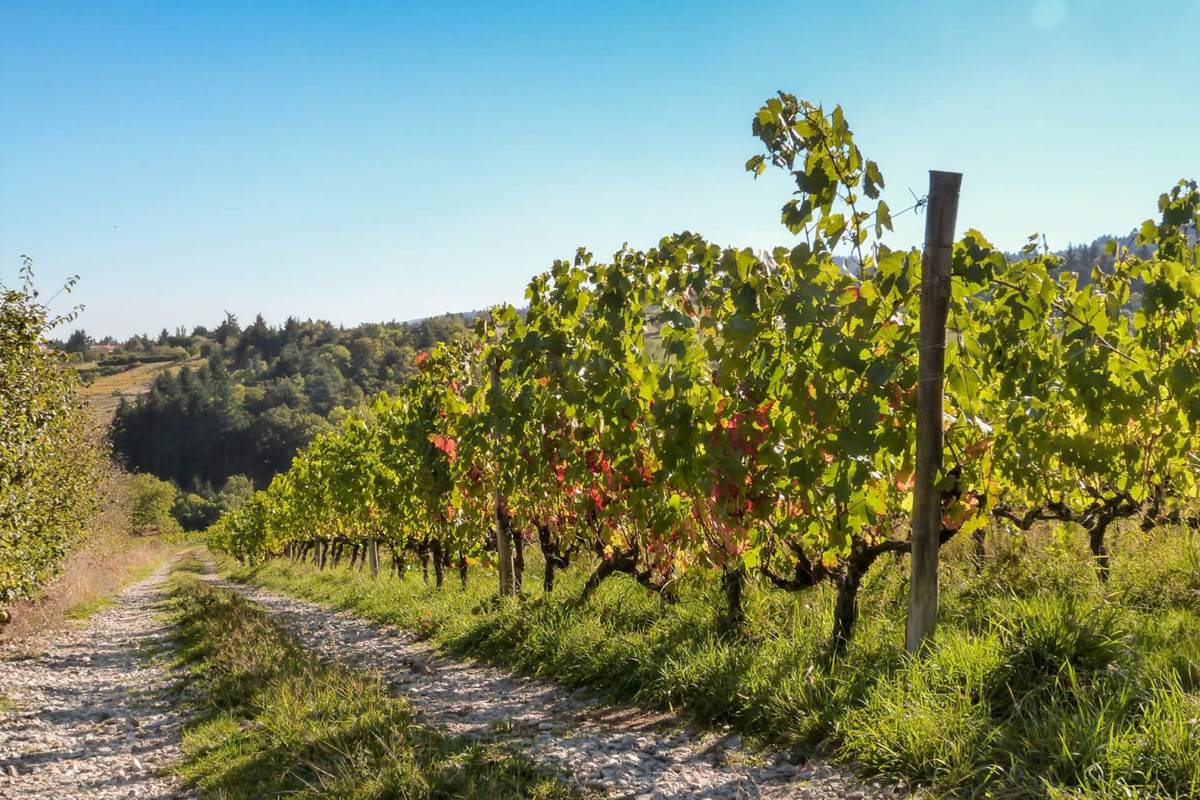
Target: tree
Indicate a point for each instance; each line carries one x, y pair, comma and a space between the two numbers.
228, 332
194, 512
153, 501
77, 342
236, 492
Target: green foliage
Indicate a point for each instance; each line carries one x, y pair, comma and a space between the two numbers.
273, 720
767, 425
153, 501
261, 396
196, 512
193, 512
48, 461
702, 418
236, 492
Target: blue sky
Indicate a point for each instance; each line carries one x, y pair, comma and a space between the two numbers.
390, 160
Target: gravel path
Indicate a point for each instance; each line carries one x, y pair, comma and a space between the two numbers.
91, 713
622, 751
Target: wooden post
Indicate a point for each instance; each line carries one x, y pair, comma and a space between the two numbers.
373, 557
940, 215
503, 541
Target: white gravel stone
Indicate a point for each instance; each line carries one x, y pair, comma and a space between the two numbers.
68, 738
467, 698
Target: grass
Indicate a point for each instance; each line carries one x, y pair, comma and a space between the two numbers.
273, 720
87, 608
139, 569
1043, 682
109, 559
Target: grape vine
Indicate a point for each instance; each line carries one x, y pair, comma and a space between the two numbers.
715, 413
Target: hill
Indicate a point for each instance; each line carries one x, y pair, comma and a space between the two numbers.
105, 393
249, 397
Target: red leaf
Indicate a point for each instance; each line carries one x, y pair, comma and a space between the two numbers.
446, 444
957, 514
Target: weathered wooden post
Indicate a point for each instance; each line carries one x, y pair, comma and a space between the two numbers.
373, 557
940, 214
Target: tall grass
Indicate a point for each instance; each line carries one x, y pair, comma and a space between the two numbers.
274, 721
109, 559
1043, 682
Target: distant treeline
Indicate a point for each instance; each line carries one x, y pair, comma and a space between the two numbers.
261, 394
1080, 258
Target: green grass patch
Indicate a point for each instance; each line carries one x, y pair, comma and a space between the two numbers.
1043, 681
273, 720
88, 608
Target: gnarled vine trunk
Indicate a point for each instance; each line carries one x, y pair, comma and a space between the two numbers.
603, 571
733, 582
439, 562
518, 544
554, 557
979, 549
845, 610
626, 562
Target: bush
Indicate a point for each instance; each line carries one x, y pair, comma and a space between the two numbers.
197, 511
153, 502
194, 512
48, 460
236, 492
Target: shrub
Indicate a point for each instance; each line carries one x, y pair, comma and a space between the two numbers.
48, 460
153, 501
194, 512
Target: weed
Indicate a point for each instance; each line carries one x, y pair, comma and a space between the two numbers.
274, 720
1042, 682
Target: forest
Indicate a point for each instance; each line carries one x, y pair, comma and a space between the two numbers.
260, 394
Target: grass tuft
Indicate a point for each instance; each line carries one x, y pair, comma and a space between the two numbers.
1043, 682
273, 720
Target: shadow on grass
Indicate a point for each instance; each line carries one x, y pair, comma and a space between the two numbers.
1043, 682
273, 720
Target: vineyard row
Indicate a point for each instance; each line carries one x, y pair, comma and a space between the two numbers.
693, 412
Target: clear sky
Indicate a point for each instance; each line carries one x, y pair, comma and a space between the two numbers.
387, 160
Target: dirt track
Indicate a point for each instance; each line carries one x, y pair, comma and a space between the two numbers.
93, 711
